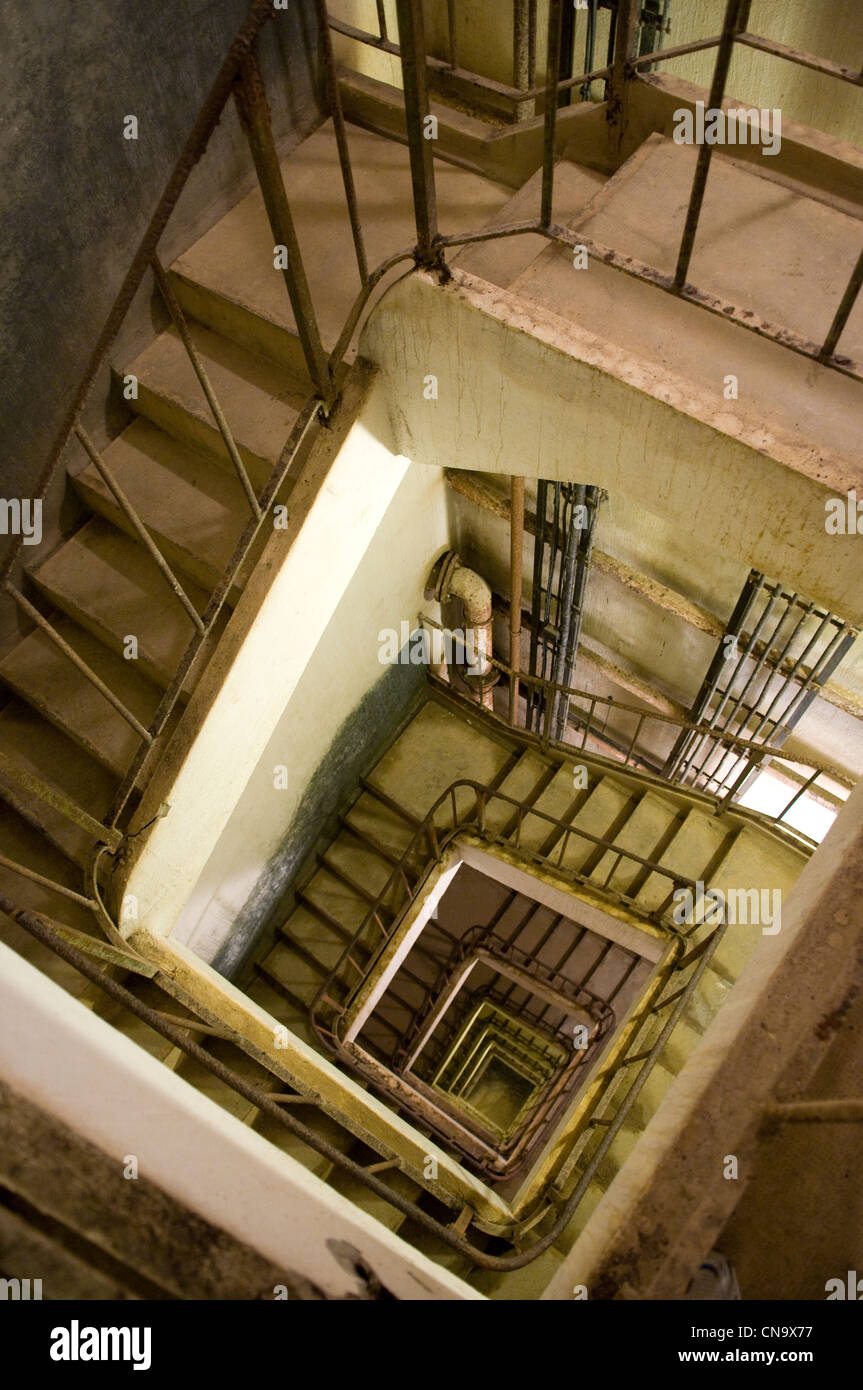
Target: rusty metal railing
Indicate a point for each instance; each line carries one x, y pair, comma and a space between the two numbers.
417, 66
588, 731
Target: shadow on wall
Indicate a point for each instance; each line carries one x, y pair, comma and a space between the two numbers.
356, 748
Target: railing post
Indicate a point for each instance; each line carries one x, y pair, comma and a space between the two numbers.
552, 73
620, 77
522, 76
254, 112
735, 11
516, 554
412, 42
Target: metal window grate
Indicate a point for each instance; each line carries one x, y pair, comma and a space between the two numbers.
777, 651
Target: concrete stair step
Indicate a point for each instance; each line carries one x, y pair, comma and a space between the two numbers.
382, 824
598, 815
583, 1212
39, 956
436, 1249
228, 279
113, 588
650, 1097
642, 833
285, 967
519, 1285
296, 1020
501, 262
680, 1047
521, 784
314, 936
437, 748
753, 862
706, 1002
323, 1126
560, 799
260, 399
699, 840
44, 676
22, 844
612, 1162
370, 1202
193, 510
39, 748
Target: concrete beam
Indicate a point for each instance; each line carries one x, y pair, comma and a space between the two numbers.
556, 401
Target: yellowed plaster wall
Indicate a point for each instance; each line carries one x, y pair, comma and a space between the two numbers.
831, 30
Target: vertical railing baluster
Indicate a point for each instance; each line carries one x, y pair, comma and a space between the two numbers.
254, 112
555, 15
414, 78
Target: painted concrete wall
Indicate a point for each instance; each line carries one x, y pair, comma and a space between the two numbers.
308, 663
556, 402
78, 196
342, 713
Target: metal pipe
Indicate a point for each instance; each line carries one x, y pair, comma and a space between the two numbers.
415, 81
516, 555
254, 111
452, 35
521, 73
717, 91
179, 318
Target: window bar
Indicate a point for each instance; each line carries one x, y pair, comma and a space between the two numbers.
338, 116
382, 20
730, 27
555, 20
414, 78
140, 529
78, 661
179, 318
797, 795
849, 299
736, 700
254, 112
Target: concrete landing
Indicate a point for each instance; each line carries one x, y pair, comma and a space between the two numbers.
761, 246
229, 272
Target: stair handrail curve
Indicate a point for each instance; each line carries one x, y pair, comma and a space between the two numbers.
438, 839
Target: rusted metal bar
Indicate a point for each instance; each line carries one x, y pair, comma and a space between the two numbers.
259, 13
52, 796
522, 76
620, 75
516, 557
179, 319
647, 60
308, 419
65, 892
254, 112
42, 623
338, 115
140, 529
102, 950
552, 70
731, 313
414, 77
724, 52
804, 59
452, 35
849, 299
382, 19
